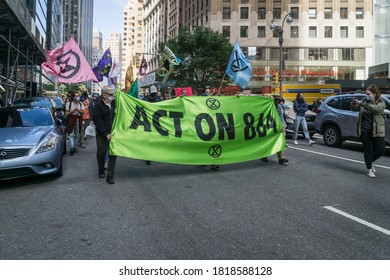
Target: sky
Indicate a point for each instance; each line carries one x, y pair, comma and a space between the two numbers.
108, 16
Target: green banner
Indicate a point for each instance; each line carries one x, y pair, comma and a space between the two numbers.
197, 129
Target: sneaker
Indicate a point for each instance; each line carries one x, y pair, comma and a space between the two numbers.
283, 160
106, 165
295, 142
370, 173
214, 167
311, 142
373, 169
82, 145
264, 159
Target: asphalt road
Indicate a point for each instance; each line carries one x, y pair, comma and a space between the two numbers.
251, 210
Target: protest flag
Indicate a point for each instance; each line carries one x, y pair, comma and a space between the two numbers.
104, 66
238, 67
143, 68
68, 64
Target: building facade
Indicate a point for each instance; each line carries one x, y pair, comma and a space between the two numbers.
115, 45
133, 36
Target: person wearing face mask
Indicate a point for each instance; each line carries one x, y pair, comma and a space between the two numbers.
152, 97
207, 91
103, 118
74, 110
370, 126
300, 107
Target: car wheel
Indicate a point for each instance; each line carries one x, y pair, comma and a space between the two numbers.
331, 136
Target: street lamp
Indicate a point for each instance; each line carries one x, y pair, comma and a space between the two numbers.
274, 26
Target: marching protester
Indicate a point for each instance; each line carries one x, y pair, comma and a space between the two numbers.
278, 102
300, 107
103, 117
86, 117
371, 126
74, 110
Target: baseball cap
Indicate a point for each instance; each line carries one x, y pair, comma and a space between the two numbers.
107, 90
153, 89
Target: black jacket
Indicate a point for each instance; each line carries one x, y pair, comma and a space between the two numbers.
103, 118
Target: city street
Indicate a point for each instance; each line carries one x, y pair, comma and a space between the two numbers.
321, 205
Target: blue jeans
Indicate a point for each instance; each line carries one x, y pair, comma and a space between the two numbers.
298, 121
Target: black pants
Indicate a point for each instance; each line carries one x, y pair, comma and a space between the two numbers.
102, 146
374, 148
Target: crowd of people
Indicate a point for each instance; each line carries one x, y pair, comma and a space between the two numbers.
82, 110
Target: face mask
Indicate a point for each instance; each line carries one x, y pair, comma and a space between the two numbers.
153, 94
369, 98
111, 98
77, 98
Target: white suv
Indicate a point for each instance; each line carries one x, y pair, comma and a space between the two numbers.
337, 122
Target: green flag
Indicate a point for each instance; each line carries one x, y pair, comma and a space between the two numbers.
197, 129
133, 91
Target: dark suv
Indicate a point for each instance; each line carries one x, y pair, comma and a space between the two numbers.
337, 122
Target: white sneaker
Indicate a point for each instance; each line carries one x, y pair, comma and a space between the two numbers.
370, 173
311, 142
373, 169
295, 142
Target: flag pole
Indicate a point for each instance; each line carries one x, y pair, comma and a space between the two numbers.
219, 91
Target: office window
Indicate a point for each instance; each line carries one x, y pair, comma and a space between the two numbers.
312, 31
328, 32
358, 54
259, 53
226, 31
261, 12
226, 13
343, 31
359, 13
243, 31
312, 13
346, 54
343, 13
328, 13
276, 13
294, 32
295, 12
244, 14
359, 31
261, 31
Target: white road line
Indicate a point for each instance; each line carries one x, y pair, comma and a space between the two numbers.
356, 219
332, 156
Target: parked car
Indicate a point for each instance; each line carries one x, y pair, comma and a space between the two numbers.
310, 117
32, 143
37, 101
337, 122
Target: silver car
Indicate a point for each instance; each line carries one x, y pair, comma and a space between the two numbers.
337, 122
31, 143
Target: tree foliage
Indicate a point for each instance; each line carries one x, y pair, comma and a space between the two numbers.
204, 54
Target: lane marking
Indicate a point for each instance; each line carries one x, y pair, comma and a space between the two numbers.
356, 219
332, 156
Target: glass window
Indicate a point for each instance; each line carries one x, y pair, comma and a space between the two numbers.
276, 13
261, 12
334, 103
226, 31
244, 13
293, 54
328, 32
346, 54
312, 31
244, 31
294, 32
343, 13
359, 54
343, 31
359, 13
346, 103
295, 12
312, 13
226, 13
328, 13
359, 31
261, 31
260, 53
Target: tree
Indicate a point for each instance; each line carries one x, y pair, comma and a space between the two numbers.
204, 54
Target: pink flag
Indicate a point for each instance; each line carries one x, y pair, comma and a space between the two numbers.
68, 64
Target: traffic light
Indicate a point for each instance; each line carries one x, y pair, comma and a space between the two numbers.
276, 78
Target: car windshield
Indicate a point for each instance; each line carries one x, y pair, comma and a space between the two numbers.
25, 118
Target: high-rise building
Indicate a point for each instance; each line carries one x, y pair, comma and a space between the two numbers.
326, 40
115, 45
133, 36
97, 39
